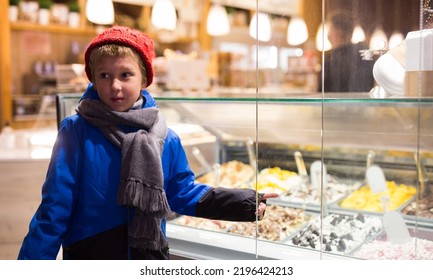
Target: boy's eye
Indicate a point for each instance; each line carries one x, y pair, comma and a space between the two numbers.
103, 75
126, 75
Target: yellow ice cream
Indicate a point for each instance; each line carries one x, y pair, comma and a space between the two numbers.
275, 180
364, 199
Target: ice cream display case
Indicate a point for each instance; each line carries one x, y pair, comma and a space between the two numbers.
316, 152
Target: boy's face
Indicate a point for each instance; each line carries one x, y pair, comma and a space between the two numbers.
119, 81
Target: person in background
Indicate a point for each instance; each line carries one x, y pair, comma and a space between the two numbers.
344, 69
117, 171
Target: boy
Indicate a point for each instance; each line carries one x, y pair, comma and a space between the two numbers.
116, 169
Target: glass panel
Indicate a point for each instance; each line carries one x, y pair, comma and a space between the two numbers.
309, 141
381, 139
350, 121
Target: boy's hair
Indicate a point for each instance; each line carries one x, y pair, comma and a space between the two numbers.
128, 37
112, 50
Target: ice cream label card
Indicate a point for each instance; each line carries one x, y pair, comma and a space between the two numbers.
395, 228
393, 222
319, 181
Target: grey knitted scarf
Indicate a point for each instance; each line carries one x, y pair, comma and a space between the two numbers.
142, 182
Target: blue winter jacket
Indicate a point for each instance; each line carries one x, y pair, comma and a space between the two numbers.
80, 191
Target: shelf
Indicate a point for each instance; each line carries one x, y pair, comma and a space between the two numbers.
28, 26
33, 117
264, 96
292, 98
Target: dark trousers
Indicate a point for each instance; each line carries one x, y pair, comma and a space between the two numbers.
111, 245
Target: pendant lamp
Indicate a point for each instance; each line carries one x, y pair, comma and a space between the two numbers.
297, 32
396, 37
378, 40
164, 15
395, 40
260, 27
217, 21
358, 34
322, 42
100, 11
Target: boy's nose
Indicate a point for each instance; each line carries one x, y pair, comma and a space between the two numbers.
116, 85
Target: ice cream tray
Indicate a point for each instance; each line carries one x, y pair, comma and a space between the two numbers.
418, 217
339, 242
418, 232
336, 207
247, 229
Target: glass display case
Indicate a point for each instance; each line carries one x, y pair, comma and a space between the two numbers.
290, 137
274, 144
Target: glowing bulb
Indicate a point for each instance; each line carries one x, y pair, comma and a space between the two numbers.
395, 40
260, 27
322, 42
217, 21
297, 32
378, 41
358, 34
100, 11
164, 15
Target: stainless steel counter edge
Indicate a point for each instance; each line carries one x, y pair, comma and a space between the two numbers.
195, 243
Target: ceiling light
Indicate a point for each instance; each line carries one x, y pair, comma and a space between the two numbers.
260, 27
217, 21
164, 15
297, 32
322, 42
378, 40
395, 40
358, 34
100, 11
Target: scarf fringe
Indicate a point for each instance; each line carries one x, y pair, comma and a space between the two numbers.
150, 200
151, 207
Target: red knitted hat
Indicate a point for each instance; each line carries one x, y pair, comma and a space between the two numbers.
125, 36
